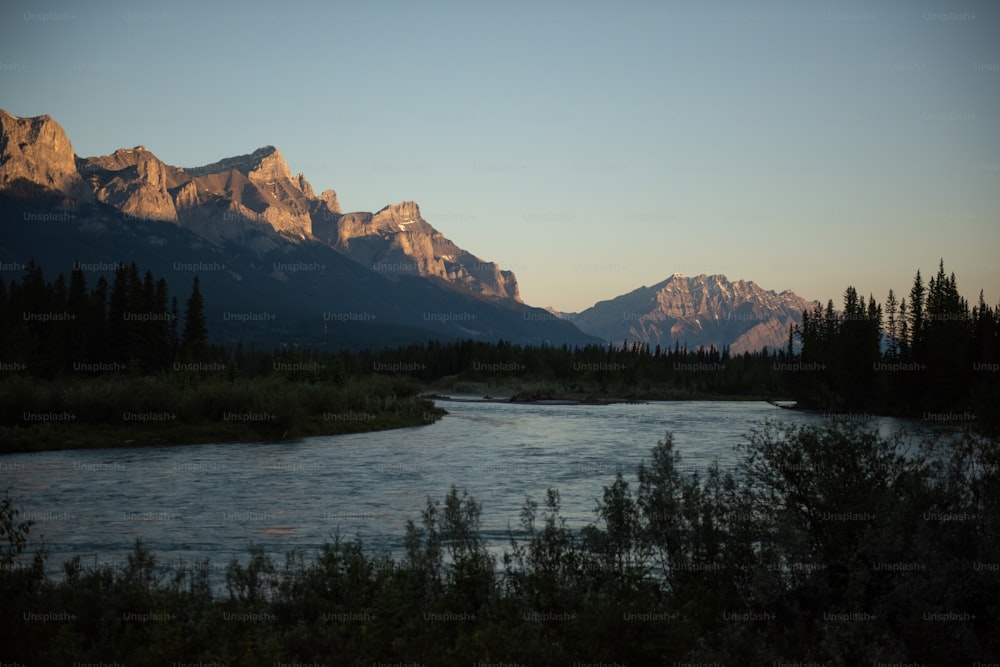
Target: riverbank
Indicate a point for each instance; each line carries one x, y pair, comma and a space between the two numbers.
124, 411
555, 393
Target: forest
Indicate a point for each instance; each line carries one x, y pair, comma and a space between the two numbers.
928, 356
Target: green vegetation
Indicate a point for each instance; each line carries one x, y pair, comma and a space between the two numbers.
828, 544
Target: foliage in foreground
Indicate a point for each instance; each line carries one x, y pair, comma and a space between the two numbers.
829, 544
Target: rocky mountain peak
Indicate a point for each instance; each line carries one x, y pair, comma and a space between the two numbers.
134, 181
702, 310
329, 200
37, 151
304, 186
403, 209
264, 162
397, 240
270, 166
123, 158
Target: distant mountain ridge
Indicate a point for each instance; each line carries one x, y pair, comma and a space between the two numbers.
270, 240
703, 310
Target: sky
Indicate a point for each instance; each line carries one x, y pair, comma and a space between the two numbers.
590, 147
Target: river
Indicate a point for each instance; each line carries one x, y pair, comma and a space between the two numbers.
189, 503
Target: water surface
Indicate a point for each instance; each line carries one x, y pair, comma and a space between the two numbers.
213, 501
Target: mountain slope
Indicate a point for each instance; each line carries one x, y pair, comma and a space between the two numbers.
698, 311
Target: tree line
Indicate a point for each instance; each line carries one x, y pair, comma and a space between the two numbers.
131, 324
926, 353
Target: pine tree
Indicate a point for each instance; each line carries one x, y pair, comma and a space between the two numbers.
79, 307
917, 303
137, 325
195, 336
97, 323
5, 315
904, 329
891, 308
118, 339
161, 328
947, 340
174, 337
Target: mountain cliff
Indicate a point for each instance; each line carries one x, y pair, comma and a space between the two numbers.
134, 181
35, 154
697, 311
218, 201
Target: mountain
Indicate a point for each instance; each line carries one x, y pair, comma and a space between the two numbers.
277, 263
398, 240
221, 200
696, 311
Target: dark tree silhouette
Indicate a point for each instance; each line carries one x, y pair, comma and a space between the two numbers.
195, 336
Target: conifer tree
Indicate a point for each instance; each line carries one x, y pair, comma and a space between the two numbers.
917, 303
97, 323
891, 308
195, 336
78, 303
118, 339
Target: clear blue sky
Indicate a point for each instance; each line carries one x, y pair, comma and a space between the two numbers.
591, 147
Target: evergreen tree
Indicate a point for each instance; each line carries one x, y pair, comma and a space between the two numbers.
136, 324
97, 323
917, 303
174, 337
904, 329
195, 336
79, 308
5, 315
892, 329
161, 327
118, 305
947, 339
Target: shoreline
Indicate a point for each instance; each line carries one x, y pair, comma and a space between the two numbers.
570, 399
56, 437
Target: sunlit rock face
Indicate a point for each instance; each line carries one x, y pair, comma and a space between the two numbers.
37, 152
397, 240
697, 311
